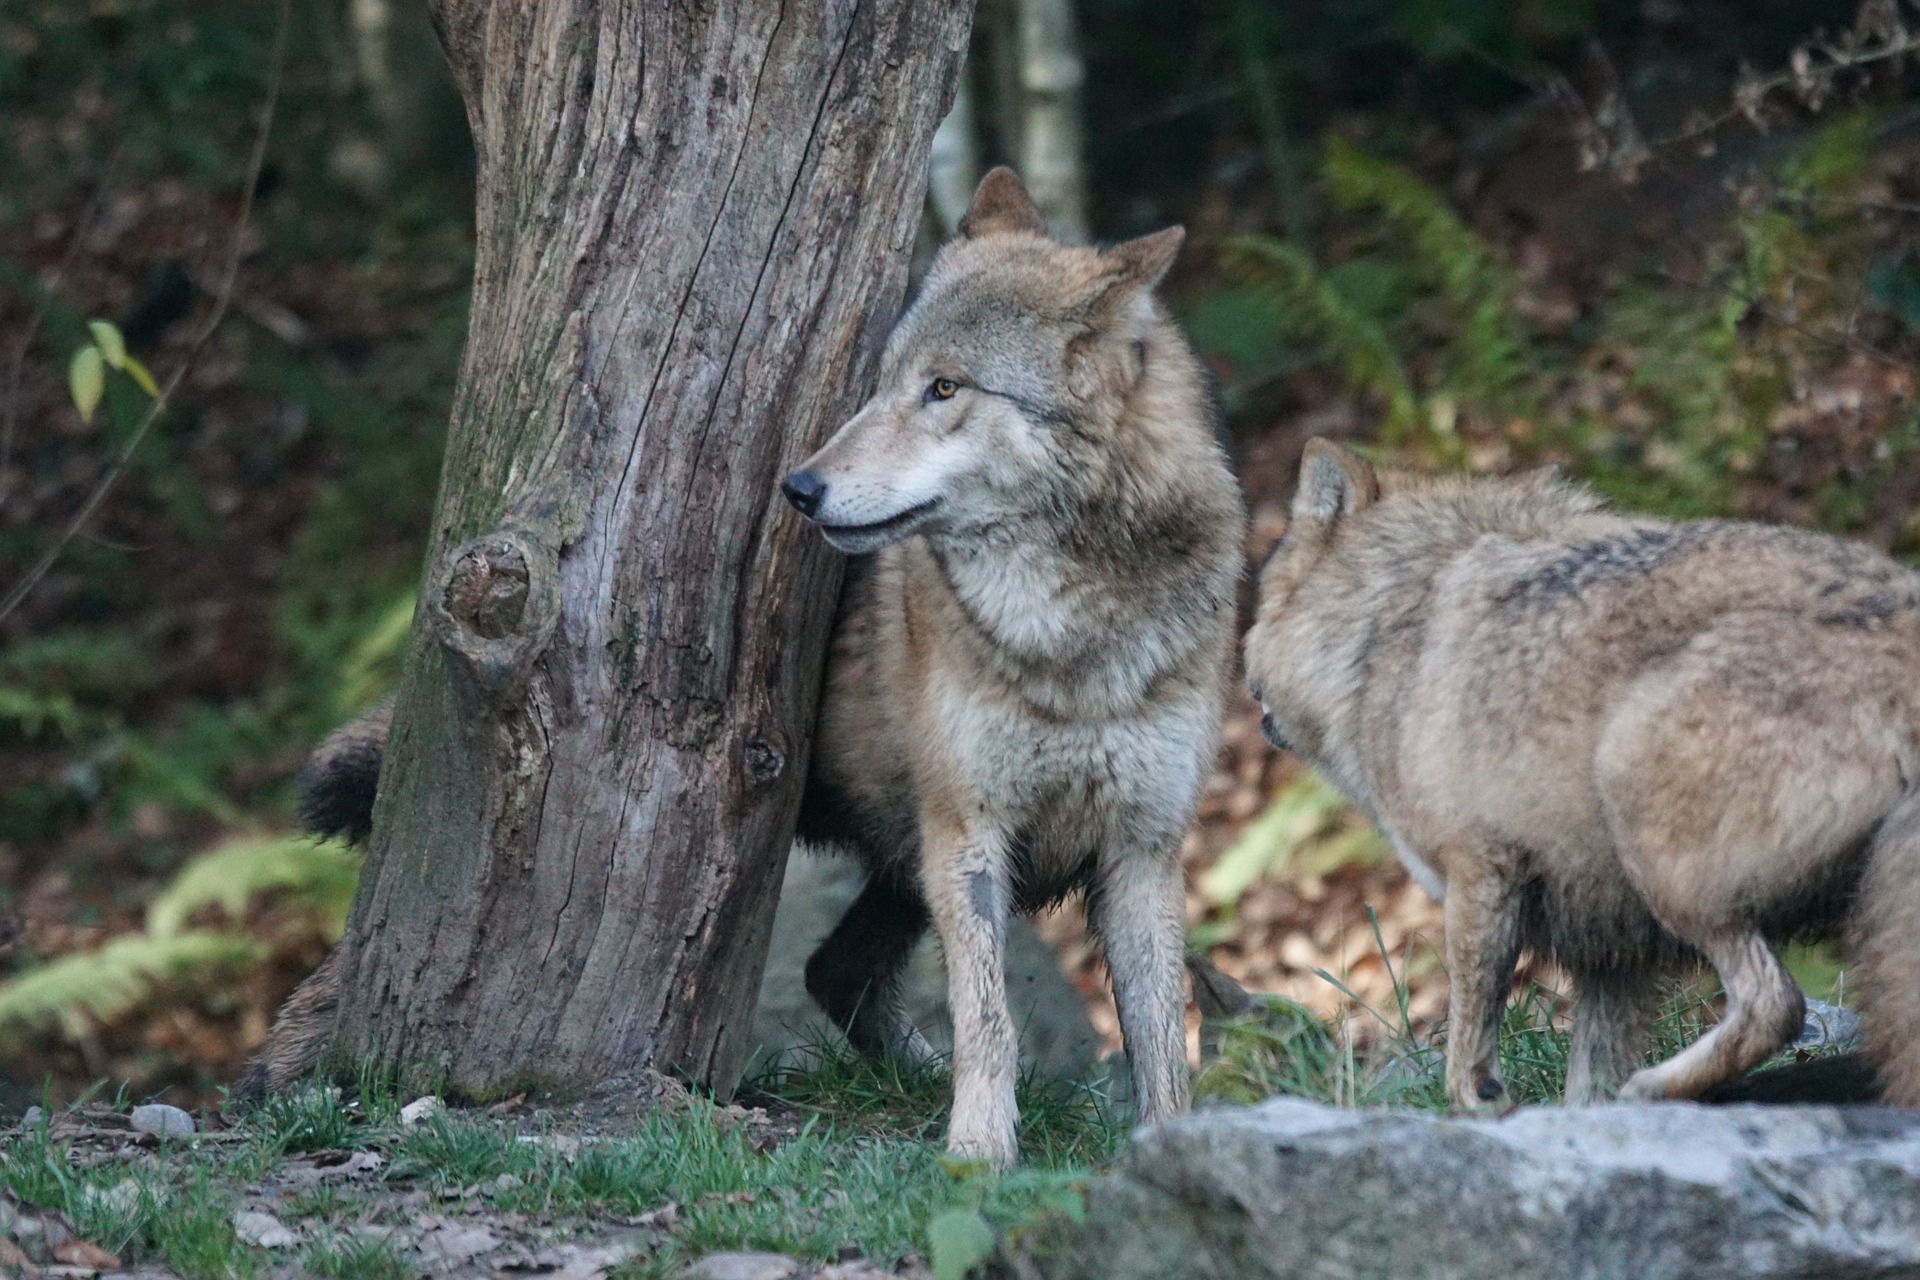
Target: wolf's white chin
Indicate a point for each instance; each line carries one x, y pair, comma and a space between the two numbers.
859, 539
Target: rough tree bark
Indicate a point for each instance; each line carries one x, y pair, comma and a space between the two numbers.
693, 229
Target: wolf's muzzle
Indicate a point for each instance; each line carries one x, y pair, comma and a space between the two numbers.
1271, 732
804, 490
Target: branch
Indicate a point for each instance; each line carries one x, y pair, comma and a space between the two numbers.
26, 584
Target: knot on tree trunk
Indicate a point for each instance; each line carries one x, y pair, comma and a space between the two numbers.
494, 602
487, 588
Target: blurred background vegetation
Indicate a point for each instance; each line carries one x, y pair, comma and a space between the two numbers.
1668, 246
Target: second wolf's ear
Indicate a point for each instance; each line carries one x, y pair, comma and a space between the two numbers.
1001, 203
1333, 483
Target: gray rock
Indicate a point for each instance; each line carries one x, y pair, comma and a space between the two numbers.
742, 1266
161, 1119
1055, 1033
1307, 1192
1829, 1025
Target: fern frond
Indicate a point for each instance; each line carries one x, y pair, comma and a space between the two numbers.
323, 872
374, 663
1318, 309
106, 982
1467, 265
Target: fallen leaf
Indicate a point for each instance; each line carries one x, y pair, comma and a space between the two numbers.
79, 1253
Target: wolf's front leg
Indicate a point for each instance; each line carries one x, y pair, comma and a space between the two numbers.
1138, 909
1483, 946
966, 879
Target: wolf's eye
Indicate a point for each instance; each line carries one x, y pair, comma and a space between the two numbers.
942, 389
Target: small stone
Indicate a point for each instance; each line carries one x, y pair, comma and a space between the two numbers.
122, 1197
162, 1120
742, 1266
262, 1230
420, 1109
1829, 1025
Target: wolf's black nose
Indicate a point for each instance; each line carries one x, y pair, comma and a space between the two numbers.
804, 490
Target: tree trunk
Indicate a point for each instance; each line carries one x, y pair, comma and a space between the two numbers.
693, 226
1051, 149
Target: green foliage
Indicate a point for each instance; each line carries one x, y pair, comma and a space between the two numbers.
1308, 826
323, 873
1309, 303
1665, 396
104, 983
958, 1240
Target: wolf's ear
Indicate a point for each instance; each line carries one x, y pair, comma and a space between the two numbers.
1001, 203
1333, 483
1134, 267
1139, 264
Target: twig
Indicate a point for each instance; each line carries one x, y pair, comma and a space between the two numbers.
1811, 79
16, 368
159, 406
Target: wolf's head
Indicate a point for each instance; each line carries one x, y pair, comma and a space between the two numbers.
999, 387
1335, 487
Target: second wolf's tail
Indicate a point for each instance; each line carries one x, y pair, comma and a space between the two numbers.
1886, 953
336, 787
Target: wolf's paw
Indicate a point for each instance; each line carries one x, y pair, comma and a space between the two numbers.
1484, 1094
1647, 1085
996, 1151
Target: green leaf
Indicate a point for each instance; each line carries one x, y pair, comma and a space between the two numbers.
111, 344
958, 1240
141, 378
231, 874
87, 378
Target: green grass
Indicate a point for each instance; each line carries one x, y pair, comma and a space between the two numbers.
864, 1170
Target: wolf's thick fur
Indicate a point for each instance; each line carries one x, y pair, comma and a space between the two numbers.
1027, 675
1622, 742
1023, 696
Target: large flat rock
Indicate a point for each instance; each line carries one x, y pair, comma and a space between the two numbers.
1639, 1192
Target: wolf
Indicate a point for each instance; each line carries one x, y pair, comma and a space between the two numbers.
1628, 744
1029, 663
1028, 672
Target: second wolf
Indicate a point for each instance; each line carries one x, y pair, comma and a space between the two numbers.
1624, 743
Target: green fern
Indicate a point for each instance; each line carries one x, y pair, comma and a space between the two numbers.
322, 873
104, 983
1487, 348
1313, 305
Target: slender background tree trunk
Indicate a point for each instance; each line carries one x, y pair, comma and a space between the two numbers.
693, 226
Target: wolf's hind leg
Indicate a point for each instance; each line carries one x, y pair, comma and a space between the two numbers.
1611, 1017
856, 973
1765, 1010
1138, 911
1482, 915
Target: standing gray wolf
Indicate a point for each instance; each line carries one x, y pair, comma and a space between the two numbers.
1625, 743
1028, 673
1029, 665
